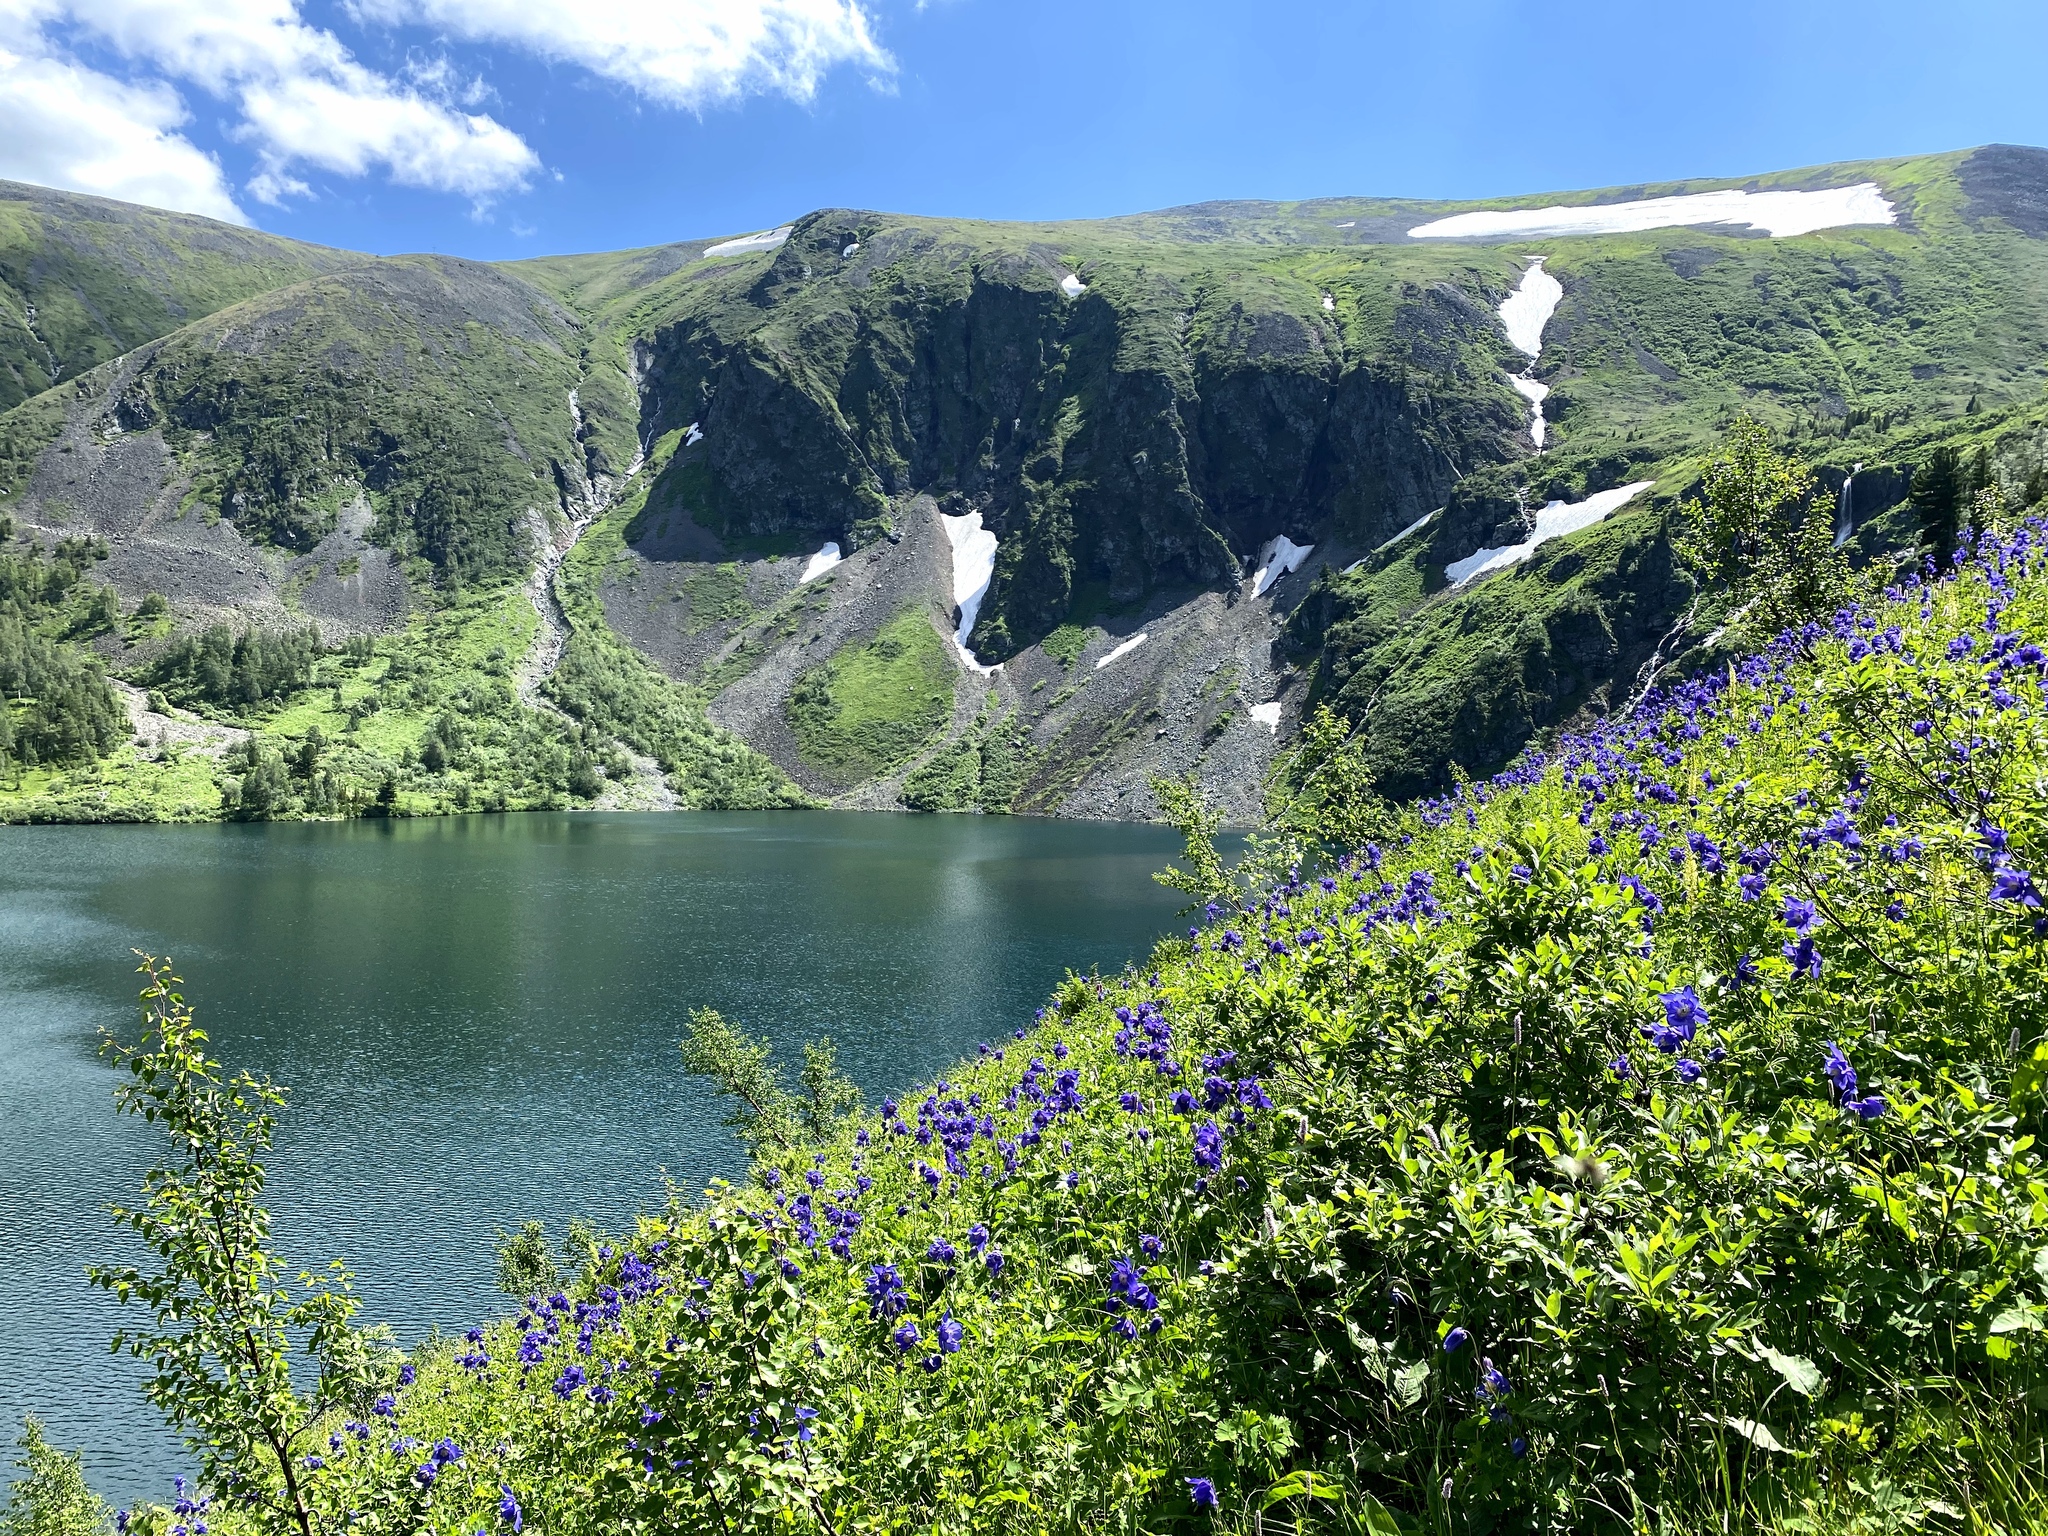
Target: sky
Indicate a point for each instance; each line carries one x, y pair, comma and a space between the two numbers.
506, 128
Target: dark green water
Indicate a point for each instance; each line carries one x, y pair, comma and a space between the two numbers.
478, 1018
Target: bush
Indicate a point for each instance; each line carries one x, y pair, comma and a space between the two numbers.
51, 1497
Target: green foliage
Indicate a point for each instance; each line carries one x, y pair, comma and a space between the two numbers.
766, 1116
55, 704
525, 1267
872, 706
51, 1497
1182, 807
1758, 529
1939, 494
236, 672
223, 1326
984, 770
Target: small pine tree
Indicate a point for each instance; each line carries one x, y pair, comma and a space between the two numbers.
1762, 529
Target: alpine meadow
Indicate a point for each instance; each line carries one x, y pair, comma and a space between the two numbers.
1592, 647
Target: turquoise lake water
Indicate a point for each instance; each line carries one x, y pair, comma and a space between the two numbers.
478, 1019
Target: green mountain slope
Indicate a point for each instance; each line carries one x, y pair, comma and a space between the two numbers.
1134, 408
84, 279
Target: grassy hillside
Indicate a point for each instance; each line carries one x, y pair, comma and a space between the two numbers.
1643, 1139
84, 279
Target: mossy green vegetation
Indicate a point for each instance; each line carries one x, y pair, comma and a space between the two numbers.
1643, 1139
984, 770
872, 706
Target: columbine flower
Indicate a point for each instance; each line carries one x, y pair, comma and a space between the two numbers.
1150, 1246
1201, 1493
994, 1261
1208, 1146
1798, 915
804, 1417
1839, 1071
907, 1336
2010, 884
950, 1335
570, 1382
387, 1405
1804, 956
1869, 1108
405, 1375
941, 1252
1456, 1340
1689, 1071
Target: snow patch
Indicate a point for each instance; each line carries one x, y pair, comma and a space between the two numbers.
1778, 214
1329, 301
821, 562
1267, 715
1072, 286
1523, 315
974, 566
1554, 521
849, 250
767, 240
692, 434
1414, 527
1349, 224
1123, 650
1280, 557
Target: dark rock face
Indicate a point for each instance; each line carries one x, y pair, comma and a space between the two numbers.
1150, 432
2009, 182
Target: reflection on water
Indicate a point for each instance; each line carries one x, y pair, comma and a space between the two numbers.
478, 1020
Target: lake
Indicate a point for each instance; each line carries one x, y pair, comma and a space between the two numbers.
478, 1018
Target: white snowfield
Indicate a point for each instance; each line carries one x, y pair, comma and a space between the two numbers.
767, 240
821, 562
1280, 557
1525, 312
1072, 286
1267, 715
1778, 214
1125, 649
693, 433
974, 566
1523, 315
1554, 521
849, 250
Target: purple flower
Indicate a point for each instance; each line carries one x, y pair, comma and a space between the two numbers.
994, 1260
569, 1382
406, 1375
1456, 1340
1839, 1072
1798, 915
1208, 1146
1201, 1493
906, 1336
1869, 1108
2009, 884
977, 1238
941, 1252
1152, 1247
387, 1405
950, 1335
1690, 1071
1805, 958
1620, 1068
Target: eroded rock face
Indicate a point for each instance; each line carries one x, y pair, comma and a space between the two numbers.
1148, 433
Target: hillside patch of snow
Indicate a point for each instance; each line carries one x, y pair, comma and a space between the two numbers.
1525, 312
974, 566
767, 240
692, 434
821, 562
1280, 557
1553, 522
1414, 527
1535, 393
1329, 301
1123, 650
1072, 286
1267, 715
850, 250
1778, 214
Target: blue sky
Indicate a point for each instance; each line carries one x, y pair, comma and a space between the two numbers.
497, 128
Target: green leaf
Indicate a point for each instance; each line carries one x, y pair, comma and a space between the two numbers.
1756, 1434
1409, 1381
1800, 1373
1303, 1484
2019, 1319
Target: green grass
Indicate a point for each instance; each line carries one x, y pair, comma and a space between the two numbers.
872, 706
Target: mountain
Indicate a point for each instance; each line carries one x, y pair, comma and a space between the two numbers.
1236, 461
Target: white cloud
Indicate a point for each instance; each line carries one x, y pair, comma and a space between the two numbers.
62, 125
685, 53
304, 100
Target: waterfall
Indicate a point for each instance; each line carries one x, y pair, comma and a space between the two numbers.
1845, 516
